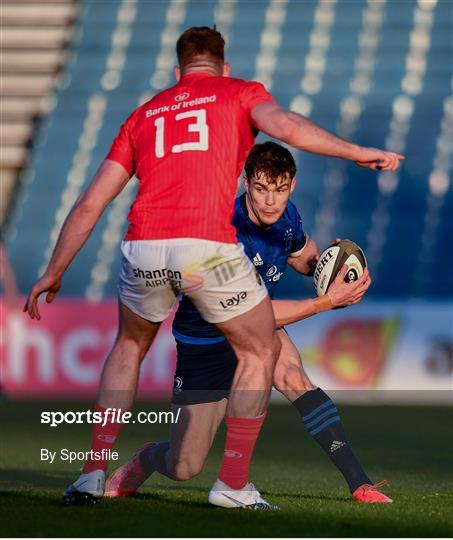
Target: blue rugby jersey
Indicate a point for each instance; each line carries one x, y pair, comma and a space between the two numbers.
268, 248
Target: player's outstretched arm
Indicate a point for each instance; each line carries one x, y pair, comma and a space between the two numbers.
108, 182
298, 131
340, 294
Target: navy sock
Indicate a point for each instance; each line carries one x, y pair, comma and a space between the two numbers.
154, 458
321, 418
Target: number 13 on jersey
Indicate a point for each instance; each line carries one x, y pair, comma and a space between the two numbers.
199, 126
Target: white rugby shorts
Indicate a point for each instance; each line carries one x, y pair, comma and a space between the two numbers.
219, 278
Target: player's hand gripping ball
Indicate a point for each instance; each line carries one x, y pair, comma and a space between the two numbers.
331, 261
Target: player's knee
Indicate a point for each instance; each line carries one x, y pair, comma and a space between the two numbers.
254, 369
133, 347
256, 366
186, 469
263, 354
263, 347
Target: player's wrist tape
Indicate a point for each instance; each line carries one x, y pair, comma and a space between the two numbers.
322, 303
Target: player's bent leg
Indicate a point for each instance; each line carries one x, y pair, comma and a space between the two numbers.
256, 345
202, 382
290, 377
253, 337
117, 390
121, 370
230, 294
191, 438
181, 458
322, 420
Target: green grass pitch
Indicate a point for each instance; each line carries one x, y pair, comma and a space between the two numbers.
412, 447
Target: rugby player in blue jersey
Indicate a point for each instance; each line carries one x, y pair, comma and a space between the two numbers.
270, 229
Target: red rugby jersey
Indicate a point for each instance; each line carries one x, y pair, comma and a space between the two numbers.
187, 147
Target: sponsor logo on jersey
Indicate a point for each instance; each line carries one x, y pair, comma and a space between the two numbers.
182, 97
288, 239
271, 271
233, 300
257, 260
199, 101
159, 110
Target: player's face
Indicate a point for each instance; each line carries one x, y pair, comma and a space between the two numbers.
266, 201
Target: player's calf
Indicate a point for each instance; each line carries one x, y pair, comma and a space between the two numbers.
291, 381
323, 423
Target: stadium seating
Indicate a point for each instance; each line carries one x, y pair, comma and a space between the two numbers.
33, 37
375, 72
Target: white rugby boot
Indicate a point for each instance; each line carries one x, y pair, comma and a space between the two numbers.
87, 489
248, 497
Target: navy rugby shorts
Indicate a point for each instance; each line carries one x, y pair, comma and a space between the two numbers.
204, 373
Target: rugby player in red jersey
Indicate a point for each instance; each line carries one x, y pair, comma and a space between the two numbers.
271, 230
187, 146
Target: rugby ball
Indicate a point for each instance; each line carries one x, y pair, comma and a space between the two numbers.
332, 259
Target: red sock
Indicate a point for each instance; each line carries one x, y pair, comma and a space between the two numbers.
242, 434
102, 438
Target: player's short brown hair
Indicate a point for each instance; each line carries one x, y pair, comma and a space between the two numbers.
271, 159
200, 41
